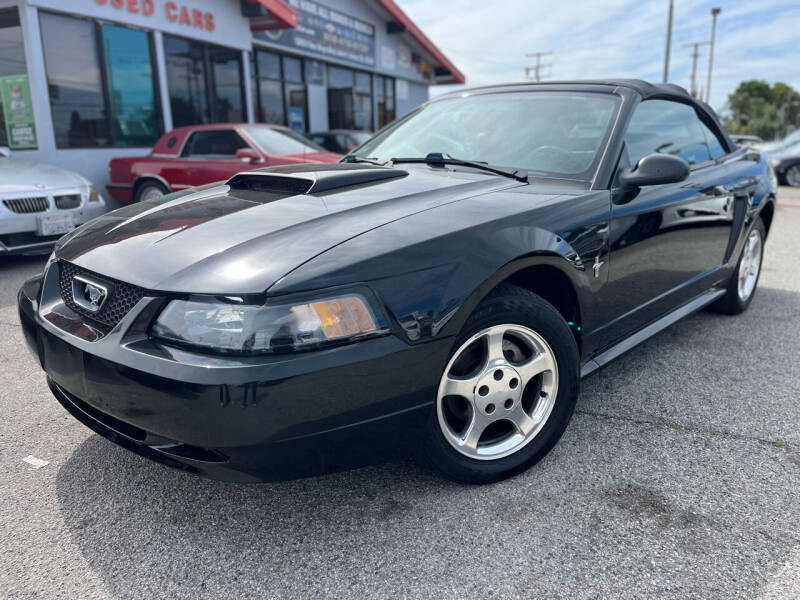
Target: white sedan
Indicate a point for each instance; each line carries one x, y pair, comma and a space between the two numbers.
39, 203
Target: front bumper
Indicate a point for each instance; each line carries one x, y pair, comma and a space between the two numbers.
18, 230
261, 419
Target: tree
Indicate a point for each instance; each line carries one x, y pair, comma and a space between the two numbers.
758, 108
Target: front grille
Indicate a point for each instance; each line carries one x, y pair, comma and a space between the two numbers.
67, 202
122, 297
26, 205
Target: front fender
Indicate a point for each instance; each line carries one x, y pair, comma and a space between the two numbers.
430, 282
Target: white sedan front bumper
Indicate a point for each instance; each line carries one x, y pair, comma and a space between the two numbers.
21, 216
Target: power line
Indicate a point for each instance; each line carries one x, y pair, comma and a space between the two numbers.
535, 71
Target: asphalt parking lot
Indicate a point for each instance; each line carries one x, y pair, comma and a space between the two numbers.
679, 476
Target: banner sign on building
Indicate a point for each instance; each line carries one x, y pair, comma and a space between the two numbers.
326, 31
18, 111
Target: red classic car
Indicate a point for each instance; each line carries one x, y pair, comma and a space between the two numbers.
200, 154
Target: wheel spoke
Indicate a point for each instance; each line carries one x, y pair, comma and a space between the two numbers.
494, 344
538, 364
459, 386
522, 422
474, 431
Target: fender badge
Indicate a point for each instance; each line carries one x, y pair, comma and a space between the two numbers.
596, 266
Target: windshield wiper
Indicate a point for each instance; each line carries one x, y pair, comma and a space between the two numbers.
352, 158
440, 159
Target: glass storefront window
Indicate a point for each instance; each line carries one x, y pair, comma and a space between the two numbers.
130, 86
99, 98
227, 84
205, 82
13, 76
349, 99
186, 74
74, 82
281, 88
384, 98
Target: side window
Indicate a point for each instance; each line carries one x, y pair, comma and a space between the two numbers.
715, 145
220, 143
666, 127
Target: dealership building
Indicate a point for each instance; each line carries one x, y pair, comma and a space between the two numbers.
84, 81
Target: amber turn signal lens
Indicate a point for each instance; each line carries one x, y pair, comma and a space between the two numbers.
344, 317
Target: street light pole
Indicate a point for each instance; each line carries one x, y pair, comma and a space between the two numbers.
714, 14
669, 40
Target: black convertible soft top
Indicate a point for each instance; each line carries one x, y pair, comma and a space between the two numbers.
645, 89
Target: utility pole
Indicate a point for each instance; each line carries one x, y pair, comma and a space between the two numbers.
695, 56
714, 14
669, 40
536, 69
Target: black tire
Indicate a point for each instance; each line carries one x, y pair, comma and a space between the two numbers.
731, 303
792, 176
509, 304
147, 185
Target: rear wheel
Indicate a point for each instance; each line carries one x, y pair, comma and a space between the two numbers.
150, 190
792, 176
742, 285
508, 390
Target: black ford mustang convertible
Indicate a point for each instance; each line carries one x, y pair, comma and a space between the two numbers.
442, 291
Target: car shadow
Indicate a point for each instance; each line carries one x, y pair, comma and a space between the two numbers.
136, 521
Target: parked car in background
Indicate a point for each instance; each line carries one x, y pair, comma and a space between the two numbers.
786, 163
39, 203
751, 141
200, 154
781, 144
341, 141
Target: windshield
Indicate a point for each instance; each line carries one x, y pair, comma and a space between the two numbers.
281, 141
360, 136
556, 134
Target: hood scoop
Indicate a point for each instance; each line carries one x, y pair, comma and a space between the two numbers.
318, 181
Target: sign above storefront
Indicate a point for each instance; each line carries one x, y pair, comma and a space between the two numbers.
323, 30
175, 12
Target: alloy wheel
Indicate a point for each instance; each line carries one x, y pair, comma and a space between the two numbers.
497, 392
150, 192
750, 265
793, 176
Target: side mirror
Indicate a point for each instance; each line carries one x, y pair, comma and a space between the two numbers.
655, 169
5, 151
248, 155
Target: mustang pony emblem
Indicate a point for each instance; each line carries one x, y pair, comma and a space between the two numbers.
89, 295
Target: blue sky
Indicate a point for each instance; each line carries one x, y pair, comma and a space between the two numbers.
756, 39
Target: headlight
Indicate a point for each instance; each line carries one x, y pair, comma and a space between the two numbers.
94, 195
773, 178
249, 329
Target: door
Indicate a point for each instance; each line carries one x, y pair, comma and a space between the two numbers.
667, 242
207, 156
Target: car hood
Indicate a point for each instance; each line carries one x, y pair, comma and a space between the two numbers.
242, 236
17, 175
314, 157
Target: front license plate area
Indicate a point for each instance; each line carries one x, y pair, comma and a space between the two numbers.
54, 224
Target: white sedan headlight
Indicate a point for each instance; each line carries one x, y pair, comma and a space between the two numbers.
249, 329
94, 195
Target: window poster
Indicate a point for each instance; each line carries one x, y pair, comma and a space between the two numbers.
18, 111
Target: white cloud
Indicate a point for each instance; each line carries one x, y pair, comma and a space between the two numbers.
614, 38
